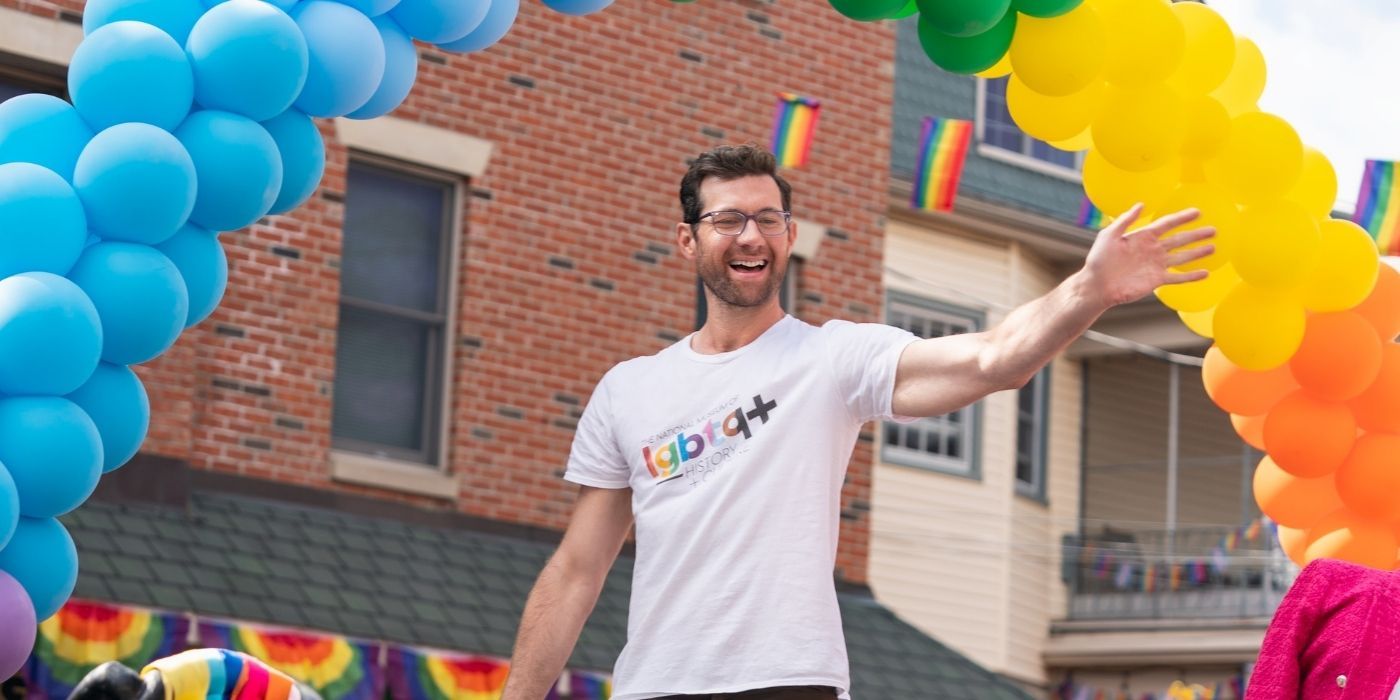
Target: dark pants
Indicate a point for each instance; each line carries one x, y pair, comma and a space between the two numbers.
802, 692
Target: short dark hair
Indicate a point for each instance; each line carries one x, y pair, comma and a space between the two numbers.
728, 163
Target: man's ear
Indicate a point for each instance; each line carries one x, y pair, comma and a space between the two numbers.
685, 240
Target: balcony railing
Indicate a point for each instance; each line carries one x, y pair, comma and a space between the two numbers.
1182, 573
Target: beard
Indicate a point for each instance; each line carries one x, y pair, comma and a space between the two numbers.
715, 275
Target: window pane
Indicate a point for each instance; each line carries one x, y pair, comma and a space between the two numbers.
394, 239
998, 128
381, 366
1044, 151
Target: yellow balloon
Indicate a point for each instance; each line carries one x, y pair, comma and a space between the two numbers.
1201, 295
1258, 329
1261, 160
1052, 118
1140, 129
1145, 41
1060, 55
1207, 127
1316, 188
1210, 49
1114, 190
1192, 170
1346, 269
1277, 246
1002, 68
1218, 210
1199, 322
1079, 142
1244, 84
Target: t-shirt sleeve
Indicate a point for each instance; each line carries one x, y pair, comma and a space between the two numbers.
863, 359
594, 459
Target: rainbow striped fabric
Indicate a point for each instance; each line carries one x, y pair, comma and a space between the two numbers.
794, 123
217, 674
942, 151
1378, 205
1090, 216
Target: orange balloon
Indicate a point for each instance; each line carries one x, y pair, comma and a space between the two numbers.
1369, 479
1294, 543
1341, 535
1241, 391
1307, 437
1382, 307
1339, 358
1250, 429
1378, 407
1293, 501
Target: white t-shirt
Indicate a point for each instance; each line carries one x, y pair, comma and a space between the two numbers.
736, 462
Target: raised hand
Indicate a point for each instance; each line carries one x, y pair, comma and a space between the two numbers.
1126, 264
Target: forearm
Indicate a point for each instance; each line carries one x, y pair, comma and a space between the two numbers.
554, 615
1036, 332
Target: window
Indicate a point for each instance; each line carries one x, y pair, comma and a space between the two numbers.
395, 295
1032, 420
996, 129
947, 442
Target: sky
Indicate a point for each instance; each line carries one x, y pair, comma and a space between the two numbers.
1331, 67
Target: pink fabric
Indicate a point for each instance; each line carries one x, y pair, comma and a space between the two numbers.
1339, 619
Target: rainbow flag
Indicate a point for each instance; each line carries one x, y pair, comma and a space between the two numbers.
338, 668
942, 151
83, 635
794, 122
1378, 205
1090, 216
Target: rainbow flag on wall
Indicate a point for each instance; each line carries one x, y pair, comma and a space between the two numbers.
794, 122
942, 151
83, 635
337, 667
1378, 205
1090, 216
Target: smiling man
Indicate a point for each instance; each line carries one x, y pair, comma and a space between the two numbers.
728, 449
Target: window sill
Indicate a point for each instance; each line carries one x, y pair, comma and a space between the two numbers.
392, 474
1022, 160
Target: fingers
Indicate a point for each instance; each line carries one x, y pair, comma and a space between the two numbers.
1184, 277
1185, 238
1122, 223
1181, 257
1169, 222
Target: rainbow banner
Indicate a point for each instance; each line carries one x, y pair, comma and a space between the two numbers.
1378, 205
83, 635
1090, 216
794, 123
418, 674
338, 668
942, 151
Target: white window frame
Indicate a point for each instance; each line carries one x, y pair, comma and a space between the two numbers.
970, 417
1039, 419
1022, 158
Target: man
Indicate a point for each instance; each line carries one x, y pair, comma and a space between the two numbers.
730, 447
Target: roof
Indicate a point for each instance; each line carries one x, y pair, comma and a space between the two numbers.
260, 560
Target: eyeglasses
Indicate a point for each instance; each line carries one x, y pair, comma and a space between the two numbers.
770, 222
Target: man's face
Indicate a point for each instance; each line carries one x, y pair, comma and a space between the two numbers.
744, 270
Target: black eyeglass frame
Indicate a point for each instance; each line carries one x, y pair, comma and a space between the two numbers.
787, 222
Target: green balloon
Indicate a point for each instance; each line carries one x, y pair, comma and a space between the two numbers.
963, 18
868, 10
1044, 8
909, 9
967, 54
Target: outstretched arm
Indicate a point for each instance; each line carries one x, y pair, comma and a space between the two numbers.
939, 375
567, 590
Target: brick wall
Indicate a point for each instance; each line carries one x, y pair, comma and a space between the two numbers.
566, 265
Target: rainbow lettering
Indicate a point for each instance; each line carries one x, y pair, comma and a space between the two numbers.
664, 458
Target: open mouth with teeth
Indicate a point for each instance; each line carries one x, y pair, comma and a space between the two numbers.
748, 266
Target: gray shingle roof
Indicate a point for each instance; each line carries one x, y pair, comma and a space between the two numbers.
267, 561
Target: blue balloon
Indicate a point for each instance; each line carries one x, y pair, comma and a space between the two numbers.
200, 259
499, 18
243, 38
439, 21
577, 7
174, 17
50, 335
303, 158
42, 225
371, 8
44, 130
139, 295
137, 183
130, 72
283, 5
347, 58
238, 167
9, 506
42, 557
400, 71
53, 452
116, 401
